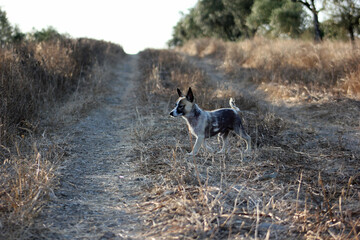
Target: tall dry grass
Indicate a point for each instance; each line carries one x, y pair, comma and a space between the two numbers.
34, 74
36, 78
330, 66
162, 71
296, 184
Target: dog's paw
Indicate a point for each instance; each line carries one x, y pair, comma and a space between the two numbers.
190, 154
210, 149
248, 151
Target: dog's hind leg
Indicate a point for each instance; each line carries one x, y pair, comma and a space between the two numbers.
223, 137
210, 149
241, 132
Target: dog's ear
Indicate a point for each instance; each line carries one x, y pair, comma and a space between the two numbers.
190, 95
179, 93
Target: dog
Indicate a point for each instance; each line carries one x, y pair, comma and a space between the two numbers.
205, 124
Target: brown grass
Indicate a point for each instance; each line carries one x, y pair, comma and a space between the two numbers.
302, 67
36, 80
27, 181
163, 71
297, 183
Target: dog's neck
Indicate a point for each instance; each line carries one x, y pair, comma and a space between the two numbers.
193, 115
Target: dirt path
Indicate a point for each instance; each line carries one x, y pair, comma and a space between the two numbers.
97, 183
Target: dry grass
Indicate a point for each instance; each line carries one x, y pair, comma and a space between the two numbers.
27, 182
163, 71
38, 74
297, 183
37, 80
301, 67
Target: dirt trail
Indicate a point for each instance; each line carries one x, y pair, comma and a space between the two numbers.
97, 179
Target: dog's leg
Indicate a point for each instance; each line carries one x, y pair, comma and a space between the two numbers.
224, 142
210, 149
241, 132
198, 143
248, 141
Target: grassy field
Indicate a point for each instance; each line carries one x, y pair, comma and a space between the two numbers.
300, 106
41, 84
331, 67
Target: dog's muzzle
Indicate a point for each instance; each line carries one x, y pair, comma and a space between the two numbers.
174, 113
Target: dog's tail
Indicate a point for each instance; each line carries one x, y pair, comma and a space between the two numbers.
233, 106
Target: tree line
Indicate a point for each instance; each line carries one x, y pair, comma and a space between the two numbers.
233, 20
12, 34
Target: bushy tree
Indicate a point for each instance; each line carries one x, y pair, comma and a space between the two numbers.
186, 29
46, 34
9, 34
5, 28
346, 13
311, 6
213, 19
224, 19
288, 19
17, 35
276, 17
334, 30
232, 20
261, 12
240, 9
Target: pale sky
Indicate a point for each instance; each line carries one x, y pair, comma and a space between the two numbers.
134, 24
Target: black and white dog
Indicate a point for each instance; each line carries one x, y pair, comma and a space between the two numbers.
205, 124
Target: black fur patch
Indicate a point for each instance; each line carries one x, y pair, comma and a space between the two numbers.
221, 121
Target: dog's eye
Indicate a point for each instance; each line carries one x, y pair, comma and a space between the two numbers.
181, 107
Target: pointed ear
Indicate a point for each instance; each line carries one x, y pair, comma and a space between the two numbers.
179, 93
190, 95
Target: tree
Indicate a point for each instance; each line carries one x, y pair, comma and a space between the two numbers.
224, 19
17, 35
215, 20
46, 34
310, 5
347, 14
334, 30
5, 28
185, 29
287, 19
240, 9
276, 17
9, 34
261, 12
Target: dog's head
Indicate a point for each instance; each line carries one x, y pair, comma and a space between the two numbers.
184, 104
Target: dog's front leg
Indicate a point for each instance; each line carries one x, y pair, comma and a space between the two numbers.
224, 142
223, 137
210, 149
199, 141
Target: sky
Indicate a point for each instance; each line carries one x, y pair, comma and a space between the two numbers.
134, 24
